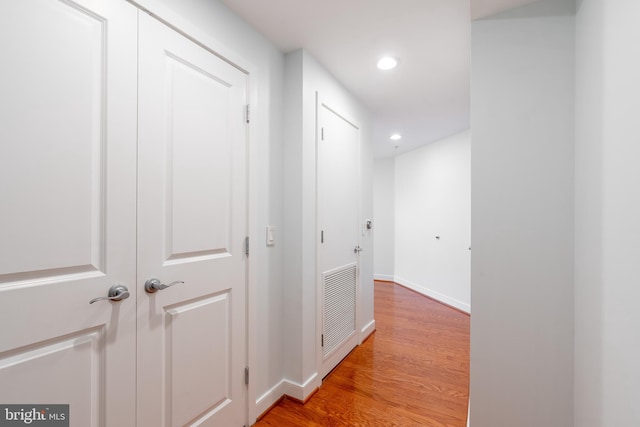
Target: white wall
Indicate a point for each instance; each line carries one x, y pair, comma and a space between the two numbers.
304, 78
522, 113
212, 23
383, 218
432, 198
607, 228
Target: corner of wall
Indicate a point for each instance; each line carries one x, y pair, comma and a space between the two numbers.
522, 112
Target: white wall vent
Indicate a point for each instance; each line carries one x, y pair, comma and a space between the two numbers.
339, 320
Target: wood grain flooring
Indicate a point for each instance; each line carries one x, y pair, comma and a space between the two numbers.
413, 371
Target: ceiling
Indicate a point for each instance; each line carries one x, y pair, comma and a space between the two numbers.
426, 97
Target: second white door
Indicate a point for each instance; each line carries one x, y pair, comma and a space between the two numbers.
191, 230
338, 250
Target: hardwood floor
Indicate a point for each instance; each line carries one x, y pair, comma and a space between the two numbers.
413, 371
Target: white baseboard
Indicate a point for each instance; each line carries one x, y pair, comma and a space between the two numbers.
367, 330
299, 391
435, 295
302, 391
290, 388
469, 413
383, 277
264, 402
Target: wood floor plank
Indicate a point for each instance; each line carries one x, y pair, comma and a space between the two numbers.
413, 371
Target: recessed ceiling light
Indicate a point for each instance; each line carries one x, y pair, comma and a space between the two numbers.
387, 63
395, 137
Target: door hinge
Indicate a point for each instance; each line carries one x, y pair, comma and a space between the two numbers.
246, 375
322, 134
322, 340
246, 113
321, 236
246, 246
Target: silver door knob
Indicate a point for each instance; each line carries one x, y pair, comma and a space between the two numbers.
155, 285
116, 293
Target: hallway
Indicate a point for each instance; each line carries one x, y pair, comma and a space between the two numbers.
413, 371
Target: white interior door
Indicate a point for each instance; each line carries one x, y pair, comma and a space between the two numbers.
191, 229
338, 183
67, 217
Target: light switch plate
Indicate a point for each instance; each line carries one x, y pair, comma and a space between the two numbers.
271, 235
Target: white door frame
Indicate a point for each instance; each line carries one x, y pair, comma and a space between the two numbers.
223, 51
322, 101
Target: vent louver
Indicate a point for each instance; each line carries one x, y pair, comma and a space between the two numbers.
339, 306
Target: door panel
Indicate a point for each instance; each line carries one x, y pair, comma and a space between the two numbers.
338, 182
192, 342
70, 366
58, 221
191, 228
199, 156
67, 225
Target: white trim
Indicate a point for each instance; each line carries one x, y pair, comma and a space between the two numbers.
367, 330
433, 294
289, 388
301, 391
165, 14
469, 412
253, 231
275, 393
383, 277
